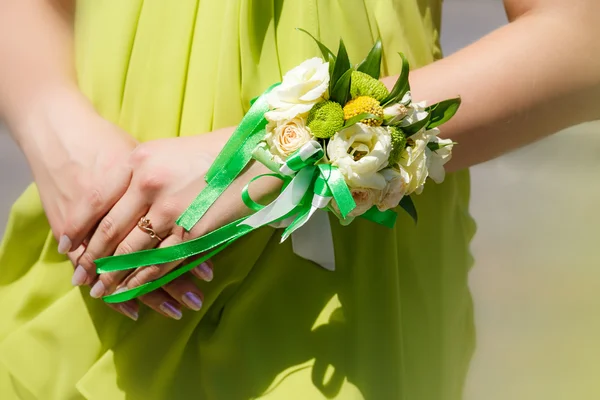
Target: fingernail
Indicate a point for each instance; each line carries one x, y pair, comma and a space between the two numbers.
121, 290
97, 290
79, 276
205, 272
64, 244
192, 301
170, 310
129, 311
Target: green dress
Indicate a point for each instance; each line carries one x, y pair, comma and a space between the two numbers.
394, 321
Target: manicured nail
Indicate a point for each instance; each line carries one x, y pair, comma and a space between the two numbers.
79, 276
121, 289
170, 310
97, 290
205, 272
129, 311
64, 244
192, 301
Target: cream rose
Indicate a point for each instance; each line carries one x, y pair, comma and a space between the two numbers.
364, 198
301, 88
360, 152
397, 185
285, 137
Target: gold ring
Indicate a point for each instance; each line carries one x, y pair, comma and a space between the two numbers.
145, 225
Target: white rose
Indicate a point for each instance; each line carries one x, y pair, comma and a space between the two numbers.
365, 199
396, 188
285, 137
360, 152
438, 158
301, 88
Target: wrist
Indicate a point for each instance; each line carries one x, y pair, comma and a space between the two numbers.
50, 112
53, 117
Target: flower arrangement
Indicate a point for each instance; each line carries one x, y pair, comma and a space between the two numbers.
383, 143
339, 140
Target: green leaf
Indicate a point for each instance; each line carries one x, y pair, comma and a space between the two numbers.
372, 64
342, 65
331, 65
442, 112
324, 49
433, 146
341, 91
416, 127
407, 205
401, 87
356, 119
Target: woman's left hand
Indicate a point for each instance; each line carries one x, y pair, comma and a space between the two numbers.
168, 174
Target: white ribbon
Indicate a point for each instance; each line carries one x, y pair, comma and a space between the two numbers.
312, 240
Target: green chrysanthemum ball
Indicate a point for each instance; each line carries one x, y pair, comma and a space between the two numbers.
398, 144
325, 119
362, 84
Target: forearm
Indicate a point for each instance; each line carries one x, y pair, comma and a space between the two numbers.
524, 81
37, 76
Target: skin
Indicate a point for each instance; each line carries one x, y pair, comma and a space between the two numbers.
533, 77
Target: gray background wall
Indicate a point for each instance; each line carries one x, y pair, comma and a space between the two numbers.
536, 282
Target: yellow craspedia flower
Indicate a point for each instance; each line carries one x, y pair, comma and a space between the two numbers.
362, 105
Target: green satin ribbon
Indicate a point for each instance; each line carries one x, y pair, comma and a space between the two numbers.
318, 183
231, 161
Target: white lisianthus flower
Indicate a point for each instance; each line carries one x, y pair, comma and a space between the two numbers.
285, 137
416, 113
438, 158
365, 199
396, 188
301, 88
360, 152
395, 113
414, 159
406, 99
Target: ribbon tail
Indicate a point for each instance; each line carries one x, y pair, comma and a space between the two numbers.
318, 202
314, 241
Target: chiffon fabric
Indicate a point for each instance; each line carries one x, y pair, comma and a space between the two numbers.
394, 321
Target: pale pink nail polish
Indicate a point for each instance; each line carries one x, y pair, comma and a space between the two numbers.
192, 301
79, 276
130, 312
97, 290
170, 310
64, 244
204, 272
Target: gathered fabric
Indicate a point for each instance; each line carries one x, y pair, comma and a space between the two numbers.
393, 321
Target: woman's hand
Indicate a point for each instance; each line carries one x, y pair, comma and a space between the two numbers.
168, 174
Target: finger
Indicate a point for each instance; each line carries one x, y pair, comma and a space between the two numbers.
129, 308
111, 230
94, 203
204, 271
162, 303
185, 291
135, 241
153, 272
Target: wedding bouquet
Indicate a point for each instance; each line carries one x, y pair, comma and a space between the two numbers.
340, 142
